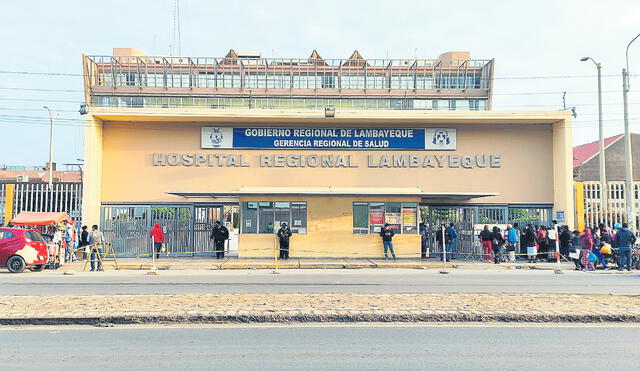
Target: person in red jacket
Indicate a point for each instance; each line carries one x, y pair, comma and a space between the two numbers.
158, 239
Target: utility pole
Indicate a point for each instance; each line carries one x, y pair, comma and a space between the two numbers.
629, 191
603, 171
50, 148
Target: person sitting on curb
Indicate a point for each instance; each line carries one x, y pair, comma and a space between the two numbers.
387, 235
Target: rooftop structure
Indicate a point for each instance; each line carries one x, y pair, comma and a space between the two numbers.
131, 78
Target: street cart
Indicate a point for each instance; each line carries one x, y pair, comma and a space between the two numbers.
51, 226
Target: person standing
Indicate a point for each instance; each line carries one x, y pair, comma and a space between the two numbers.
96, 238
542, 242
552, 237
586, 244
529, 242
69, 238
284, 239
452, 237
574, 250
84, 241
219, 234
157, 234
512, 242
424, 236
565, 240
485, 238
624, 240
387, 235
496, 245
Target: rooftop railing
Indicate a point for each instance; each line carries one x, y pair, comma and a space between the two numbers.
285, 74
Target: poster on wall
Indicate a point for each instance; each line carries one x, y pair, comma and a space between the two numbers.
409, 217
376, 217
394, 218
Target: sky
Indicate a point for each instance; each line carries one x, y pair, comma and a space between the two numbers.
536, 45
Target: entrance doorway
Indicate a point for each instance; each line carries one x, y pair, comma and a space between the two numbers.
463, 219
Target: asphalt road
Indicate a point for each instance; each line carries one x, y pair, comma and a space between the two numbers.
321, 348
318, 281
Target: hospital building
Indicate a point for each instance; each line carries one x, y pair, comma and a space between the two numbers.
335, 148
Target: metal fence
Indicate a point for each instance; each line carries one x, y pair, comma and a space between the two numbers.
286, 73
61, 197
466, 219
615, 208
187, 228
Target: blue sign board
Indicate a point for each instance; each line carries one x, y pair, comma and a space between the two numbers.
327, 138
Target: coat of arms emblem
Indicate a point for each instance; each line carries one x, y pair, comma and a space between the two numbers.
441, 138
216, 137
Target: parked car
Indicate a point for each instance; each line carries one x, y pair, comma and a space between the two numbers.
22, 248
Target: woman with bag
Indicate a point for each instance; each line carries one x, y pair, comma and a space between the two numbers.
574, 250
587, 246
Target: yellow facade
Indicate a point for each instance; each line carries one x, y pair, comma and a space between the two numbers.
330, 232
535, 169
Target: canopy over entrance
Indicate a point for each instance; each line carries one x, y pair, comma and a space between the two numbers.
335, 191
40, 218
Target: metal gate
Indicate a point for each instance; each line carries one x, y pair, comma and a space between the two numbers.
203, 221
463, 218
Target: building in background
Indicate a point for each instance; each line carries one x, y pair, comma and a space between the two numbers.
586, 172
334, 148
26, 188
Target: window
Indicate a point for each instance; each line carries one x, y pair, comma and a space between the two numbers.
369, 217
474, 104
34, 236
328, 82
5, 235
267, 216
452, 105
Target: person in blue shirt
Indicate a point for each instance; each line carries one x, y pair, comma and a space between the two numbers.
512, 241
624, 240
451, 237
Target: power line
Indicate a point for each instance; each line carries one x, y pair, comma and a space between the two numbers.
481, 78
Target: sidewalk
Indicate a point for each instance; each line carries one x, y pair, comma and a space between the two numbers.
288, 308
208, 263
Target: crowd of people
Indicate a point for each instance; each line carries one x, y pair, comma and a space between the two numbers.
600, 245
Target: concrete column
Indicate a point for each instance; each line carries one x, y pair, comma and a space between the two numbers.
92, 176
563, 199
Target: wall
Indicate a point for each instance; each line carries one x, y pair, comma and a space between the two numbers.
330, 232
526, 175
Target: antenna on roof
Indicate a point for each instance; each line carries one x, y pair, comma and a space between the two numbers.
564, 106
176, 28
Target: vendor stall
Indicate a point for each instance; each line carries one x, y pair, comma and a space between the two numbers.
51, 226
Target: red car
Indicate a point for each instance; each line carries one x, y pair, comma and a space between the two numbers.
22, 248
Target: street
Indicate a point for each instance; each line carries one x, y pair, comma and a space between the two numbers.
319, 281
322, 347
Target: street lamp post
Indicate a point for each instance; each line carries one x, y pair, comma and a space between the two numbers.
629, 192
50, 148
603, 171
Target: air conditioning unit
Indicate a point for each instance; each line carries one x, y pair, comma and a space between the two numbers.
23, 178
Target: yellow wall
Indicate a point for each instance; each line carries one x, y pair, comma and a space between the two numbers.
330, 232
92, 176
526, 175
119, 142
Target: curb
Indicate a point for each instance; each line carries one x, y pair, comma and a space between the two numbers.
277, 318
